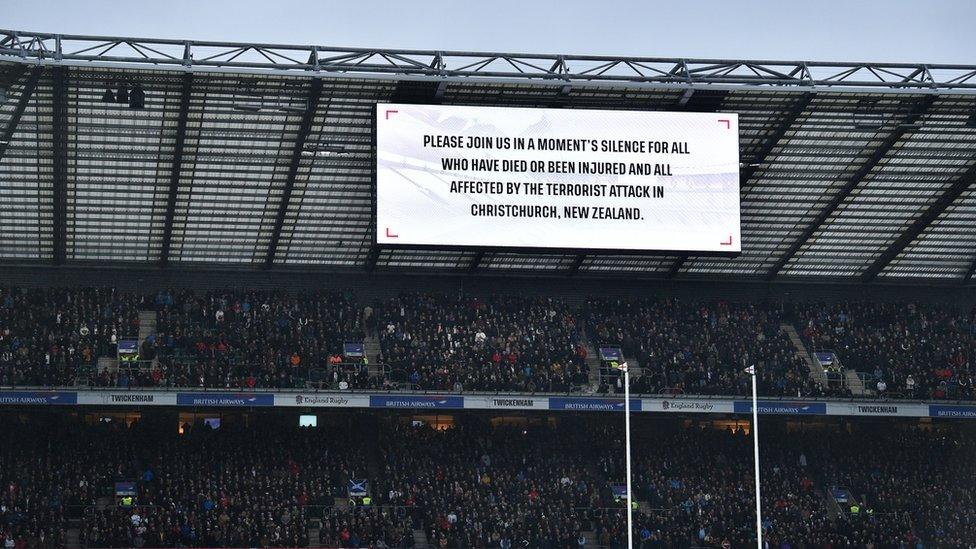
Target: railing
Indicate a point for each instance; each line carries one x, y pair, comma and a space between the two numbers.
610, 376
864, 515
900, 398
835, 379
868, 382
408, 389
316, 377
131, 365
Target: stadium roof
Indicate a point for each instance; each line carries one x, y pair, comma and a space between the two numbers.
260, 156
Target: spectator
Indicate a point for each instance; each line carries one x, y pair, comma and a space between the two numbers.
248, 339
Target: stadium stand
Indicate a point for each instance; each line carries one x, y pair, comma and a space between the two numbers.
248, 339
701, 348
475, 481
50, 336
498, 344
192, 256
484, 486
233, 486
261, 339
911, 350
697, 487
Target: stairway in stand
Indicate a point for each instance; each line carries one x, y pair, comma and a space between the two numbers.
855, 383
371, 346
313, 535
147, 327
420, 540
72, 538
74, 522
592, 362
817, 371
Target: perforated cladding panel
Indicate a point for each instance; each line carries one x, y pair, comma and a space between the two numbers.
329, 217
119, 163
235, 166
910, 177
26, 175
945, 249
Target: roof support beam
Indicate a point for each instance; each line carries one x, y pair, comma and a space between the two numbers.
372, 257
296, 157
475, 262
923, 221
920, 109
678, 263
577, 263
59, 148
25, 96
186, 91
971, 272
774, 138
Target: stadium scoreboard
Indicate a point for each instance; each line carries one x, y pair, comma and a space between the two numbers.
527, 178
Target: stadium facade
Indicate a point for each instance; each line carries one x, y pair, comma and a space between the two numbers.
211, 208
259, 156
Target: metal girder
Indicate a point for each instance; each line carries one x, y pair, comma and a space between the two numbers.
678, 263
308, 117
475, 262
920, 109
59, 148
971, 272
770, 142
156, 54
372, 257
577, 263
25, 96
186, 91
923, 221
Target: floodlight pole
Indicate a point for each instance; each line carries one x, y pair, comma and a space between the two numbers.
755, 453
630, 506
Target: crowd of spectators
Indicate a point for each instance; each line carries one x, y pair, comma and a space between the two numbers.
371, 526
904, 350
245, 339
482, 483
505, 486
912, 486
34, 493
697, 485
47, 336
233, 486
908, 486
498, 344
251, 339
701, 348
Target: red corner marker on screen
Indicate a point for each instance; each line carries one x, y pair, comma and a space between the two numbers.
729, 243
728, 123
389, 112
390, 235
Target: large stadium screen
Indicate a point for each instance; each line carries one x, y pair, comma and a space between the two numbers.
460, 176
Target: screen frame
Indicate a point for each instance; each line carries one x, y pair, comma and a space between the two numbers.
534, 250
